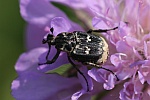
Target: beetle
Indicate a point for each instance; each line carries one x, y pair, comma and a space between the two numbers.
84, 47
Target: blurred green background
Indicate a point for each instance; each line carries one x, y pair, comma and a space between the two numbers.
11, 44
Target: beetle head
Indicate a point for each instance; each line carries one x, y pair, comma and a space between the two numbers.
49, 37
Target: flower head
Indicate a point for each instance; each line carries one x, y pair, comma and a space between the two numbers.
130, 45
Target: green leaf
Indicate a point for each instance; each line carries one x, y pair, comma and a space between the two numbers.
68, 11
60, 70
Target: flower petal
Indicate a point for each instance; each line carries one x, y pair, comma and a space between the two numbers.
84, 70
39, 86
97, 76
79, 96
99, 23
123, 47
116, 58
34, 36
29, 61
83, 93
61, 24
110, 84
62, 59
39, 12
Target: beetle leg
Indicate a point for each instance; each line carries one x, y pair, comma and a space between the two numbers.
53, 60
101, 30
96, 65
79, 72
49, 48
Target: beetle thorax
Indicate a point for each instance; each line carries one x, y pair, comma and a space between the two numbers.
65, 42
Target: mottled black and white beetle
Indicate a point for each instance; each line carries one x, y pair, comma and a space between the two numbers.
84, 47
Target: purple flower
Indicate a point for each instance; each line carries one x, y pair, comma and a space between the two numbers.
131, 91
129, 54
129, 51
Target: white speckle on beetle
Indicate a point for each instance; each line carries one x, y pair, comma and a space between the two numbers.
88, 38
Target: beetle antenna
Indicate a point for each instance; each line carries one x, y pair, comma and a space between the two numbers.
52, 30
